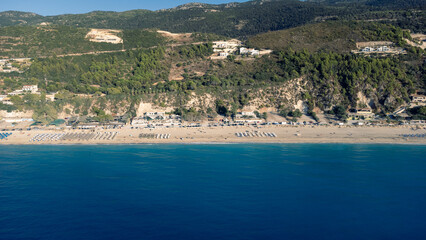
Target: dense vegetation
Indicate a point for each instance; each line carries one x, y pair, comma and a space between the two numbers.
418, 113
141, 38
406, 19
337, 36
114, 74
331, 78
238, 20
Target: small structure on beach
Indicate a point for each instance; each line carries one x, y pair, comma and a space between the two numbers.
247, 117
361, 113
155, 115
156, 119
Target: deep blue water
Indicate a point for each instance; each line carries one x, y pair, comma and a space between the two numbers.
244, 191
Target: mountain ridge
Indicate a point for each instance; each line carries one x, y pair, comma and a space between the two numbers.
228, 19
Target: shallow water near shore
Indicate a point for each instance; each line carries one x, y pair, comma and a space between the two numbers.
213, 191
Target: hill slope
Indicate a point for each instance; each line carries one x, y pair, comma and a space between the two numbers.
37, 41
334, 36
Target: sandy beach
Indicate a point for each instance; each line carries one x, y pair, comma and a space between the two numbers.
264, 134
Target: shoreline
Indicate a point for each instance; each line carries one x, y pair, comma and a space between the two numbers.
225, 135
213, 143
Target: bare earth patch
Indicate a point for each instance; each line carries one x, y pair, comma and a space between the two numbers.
178, 37
149, 107
104, 35
198, 68
421, 38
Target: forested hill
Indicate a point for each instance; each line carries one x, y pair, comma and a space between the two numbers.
237, 19
234, 19
12, 18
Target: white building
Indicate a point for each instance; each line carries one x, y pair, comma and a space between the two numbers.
220, 44
255, 52
383, 49
243, 50
378, 49
229, 46
233, 43
6, 101
249, 121
140, 122
88, 126
362, 112
223, 54
50, 97
250, 114
249, 51
16, 92
30, 88
245, 115
418, 98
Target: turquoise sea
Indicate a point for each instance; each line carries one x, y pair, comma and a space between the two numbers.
234, 191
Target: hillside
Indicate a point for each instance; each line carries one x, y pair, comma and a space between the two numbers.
279, 81
38, 41
311, 68
237, 19
334, 36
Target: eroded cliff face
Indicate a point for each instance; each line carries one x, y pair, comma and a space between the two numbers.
267, 98
297, 93
290, 94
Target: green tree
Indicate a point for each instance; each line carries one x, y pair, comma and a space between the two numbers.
296, 113
340, 112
